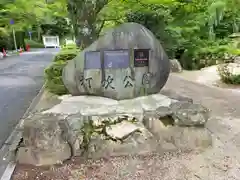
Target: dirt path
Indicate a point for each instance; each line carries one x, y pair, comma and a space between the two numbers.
208, 76
221, 162
220, 101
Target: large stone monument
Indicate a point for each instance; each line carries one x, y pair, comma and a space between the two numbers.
126, 62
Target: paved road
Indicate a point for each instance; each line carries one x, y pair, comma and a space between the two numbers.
21, 78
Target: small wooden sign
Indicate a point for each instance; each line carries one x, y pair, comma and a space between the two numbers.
141, 57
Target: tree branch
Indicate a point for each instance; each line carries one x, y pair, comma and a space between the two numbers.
100, 28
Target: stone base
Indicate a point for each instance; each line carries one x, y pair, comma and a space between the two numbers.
43, 143
26, 155
97, 127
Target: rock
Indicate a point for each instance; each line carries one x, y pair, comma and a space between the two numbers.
237, 60
186, 138
84, 105
175, 65
234, 68
43, 143
188, 114
163, 112
28, 155
121, 130
97, 127
171, 137
135, 144
160, 112
72, 132
94, 106
116, 74
174, 95
110, 119
153, 124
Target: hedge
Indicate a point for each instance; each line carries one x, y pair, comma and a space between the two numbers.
53, 74
34, 44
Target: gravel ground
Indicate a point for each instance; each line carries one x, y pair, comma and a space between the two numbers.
151, 166
221, 162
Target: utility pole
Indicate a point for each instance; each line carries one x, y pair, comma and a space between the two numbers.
14, 36
14, 39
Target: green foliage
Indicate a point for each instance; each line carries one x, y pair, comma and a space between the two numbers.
53, 77
69, 46
4, 39
234, 51
24, 13
53, 74
194, 32
66, 55
34, 44
58, 26
227, 77
40, 17
20, 35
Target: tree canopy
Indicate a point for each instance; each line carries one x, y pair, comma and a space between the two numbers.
192, 28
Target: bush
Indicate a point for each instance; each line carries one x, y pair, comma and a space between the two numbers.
5, 40
53, 74
53, 77
69, 46
208, 54
34, 44
20, 41
66, 55
226, 76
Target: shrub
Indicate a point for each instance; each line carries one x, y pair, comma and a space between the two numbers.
53, 77
53, 74
69, 46
226, 76
34, 44
208, 54
66, 55
20, 41
5, 40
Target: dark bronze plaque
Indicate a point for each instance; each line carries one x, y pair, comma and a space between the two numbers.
141, 57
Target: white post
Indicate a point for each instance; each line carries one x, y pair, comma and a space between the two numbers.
14, 39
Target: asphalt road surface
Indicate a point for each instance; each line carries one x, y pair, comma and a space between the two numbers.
21, 78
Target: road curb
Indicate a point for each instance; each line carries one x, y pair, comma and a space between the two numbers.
8, 149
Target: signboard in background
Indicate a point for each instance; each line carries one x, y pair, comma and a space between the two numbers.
92, 60
115, 59
141, 57
11, 21
51, 41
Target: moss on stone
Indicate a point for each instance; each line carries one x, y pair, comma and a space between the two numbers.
89, 130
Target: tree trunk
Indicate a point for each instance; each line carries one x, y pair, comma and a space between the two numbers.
84, 16
39, 33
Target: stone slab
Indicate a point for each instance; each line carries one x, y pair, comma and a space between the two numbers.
93, 126
121, 130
